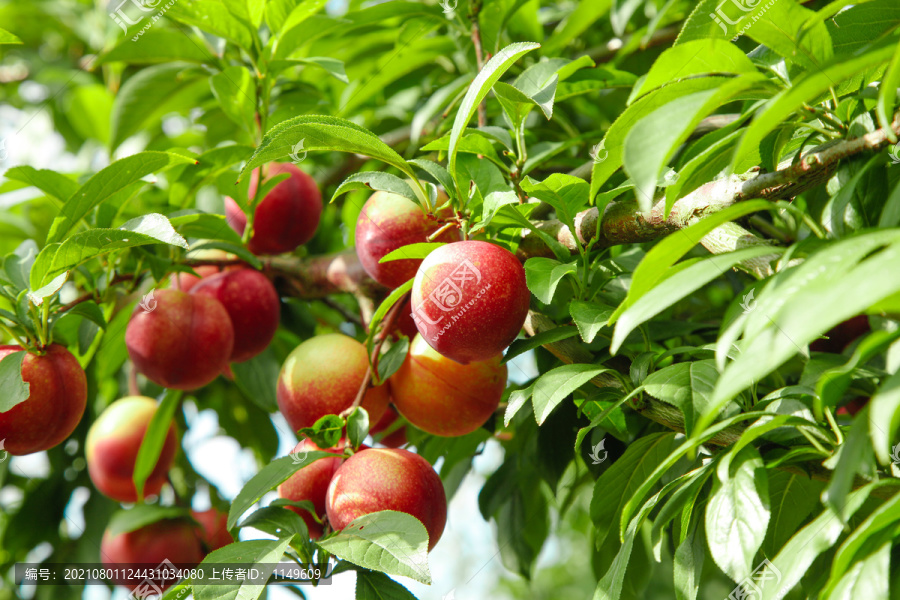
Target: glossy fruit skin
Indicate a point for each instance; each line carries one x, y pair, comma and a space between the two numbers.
184, 343
55, 404
388, 479
289, 214
388, 222
854, 406
186, 282
405, 324
175, 540
322, 376
112, 446
311, 483
252, 305
840, 336
470, 300
214, 529
235, 216
394, 439
443, 397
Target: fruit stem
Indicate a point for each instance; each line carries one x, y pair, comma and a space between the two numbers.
440, 231
834, 426
386, 326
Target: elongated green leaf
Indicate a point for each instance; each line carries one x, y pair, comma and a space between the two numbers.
544, 274
234, 88
277, 521
420, 250
737, 515
154, 439
853, 457
213, 17
887, 95
262, 554
807, 89
884, 418
319, 132
107, 182
590, 317
8, 38
553, 386
868, 578
786, 28
656, 263
685, 385
142, 515
489, 75
694, 58
371, 585
522, 345
376, 180
792, 497
272, 475
50, 182
680, 285
15, 389
388, 541
157, 45
584, 15
55, 258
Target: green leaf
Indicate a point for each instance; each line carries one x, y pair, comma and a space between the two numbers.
89, 310
590, 317
319, 132
15, 389
326, 432
235, 89
887, 96
107, 182
685, 385
619, 482
715, 19
439, 173
523, 345
779, 108
517, 399
211, 16
420, 250
157, 45
884, 418
832, 383
655, 265
543, 275
852, 457
50, 182
357, 426
8, 38
204, 226
680, 285
737, 515
150, 94
698, 57
785, 28
154, 439
383, 309
271, 476
257, 377
262, 554
141, 515
371, 585
654, 139
792, 498
487, 77
553, 386
391, 360
277, 521
37, 296
55, 258
387, 541
376, 180
581, 19
868, 578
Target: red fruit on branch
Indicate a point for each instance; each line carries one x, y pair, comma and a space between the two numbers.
470, 300
443, 397
183, 343
289, 214
112, 446
311, 483
213, 530
173, 540
388, 222
57, 395
388, 479
252, 305
322, 376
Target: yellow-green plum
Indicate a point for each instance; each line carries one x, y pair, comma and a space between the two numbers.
322, 376
112, 447
387, 479
183, 343
469, 300
57, 395
443, 397
390, 221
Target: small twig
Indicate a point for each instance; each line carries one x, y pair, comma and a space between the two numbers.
92, 295
345, 312
479, 55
